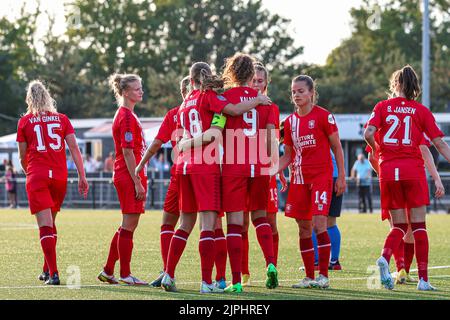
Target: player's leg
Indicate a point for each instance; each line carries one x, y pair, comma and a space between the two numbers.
333, 230
206, 248
323, 246
307, 253
245, 248
272, 219
399, 258
125, 244
421, 244
221, 253
169, 221
235, 220
409, 250
45, 223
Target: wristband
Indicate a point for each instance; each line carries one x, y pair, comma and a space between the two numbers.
219, 120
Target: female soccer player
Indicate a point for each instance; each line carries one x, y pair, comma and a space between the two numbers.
404, 253
309, 133
245, 176
171, 211
130, 147
400, 122
41, 134
260, 83
198, 170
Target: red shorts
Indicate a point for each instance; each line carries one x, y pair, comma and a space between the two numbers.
127, 195
245, 193
307, 200
44, 193
272, 204
404, 194
199, 192
171, 204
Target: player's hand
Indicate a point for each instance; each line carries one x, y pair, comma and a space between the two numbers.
138, 169
83, 186
283, 182
340, 186
263, 99
440, 191
184, 144
139, 189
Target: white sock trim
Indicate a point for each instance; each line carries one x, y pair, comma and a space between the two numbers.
404, 233
262, 224
44, 237
178, 237
164, 232
221, 238
303, 251
206, 239
419, 230
234, 235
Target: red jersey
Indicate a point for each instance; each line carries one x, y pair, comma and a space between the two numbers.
194, 118
308, 135
46, 148
245, 147
127, 133
167, 132
401, 124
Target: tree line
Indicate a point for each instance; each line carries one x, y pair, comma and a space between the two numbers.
160, 39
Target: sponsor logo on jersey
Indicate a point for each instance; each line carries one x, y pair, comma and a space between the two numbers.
128, 136
331, 119
320, 207
311, 124
221, 98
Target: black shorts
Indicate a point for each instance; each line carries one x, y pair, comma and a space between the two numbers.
336, 203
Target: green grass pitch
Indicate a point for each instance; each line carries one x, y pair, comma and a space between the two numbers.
83, 243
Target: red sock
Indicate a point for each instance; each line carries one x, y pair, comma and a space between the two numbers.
264, 235
125, 248
244, 267
421, 247
55, 235
206, 248
307, 252
393, 239
399, 255
221, 254
49, 248
234, 247
275, 239
113, 255
409, 255
165, 236
324, 248
176, 249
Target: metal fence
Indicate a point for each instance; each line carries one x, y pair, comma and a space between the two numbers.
102, 194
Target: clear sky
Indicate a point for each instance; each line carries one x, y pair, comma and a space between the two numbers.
317, 25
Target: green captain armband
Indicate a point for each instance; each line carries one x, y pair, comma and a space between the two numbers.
219, 120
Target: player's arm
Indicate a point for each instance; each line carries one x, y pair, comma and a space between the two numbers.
429, 164
369, 136
130, 161
336, 147
210, 135
442, 147
23, 156
149, 153
286, 158
83, 186
373, 162
246, 106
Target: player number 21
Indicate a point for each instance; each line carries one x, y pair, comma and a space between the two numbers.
395, 124
51, 133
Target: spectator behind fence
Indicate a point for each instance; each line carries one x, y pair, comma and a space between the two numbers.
98, 164
89, 164
362, 171
109, 163
3, 165
70, 163
160, 164
10, 183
